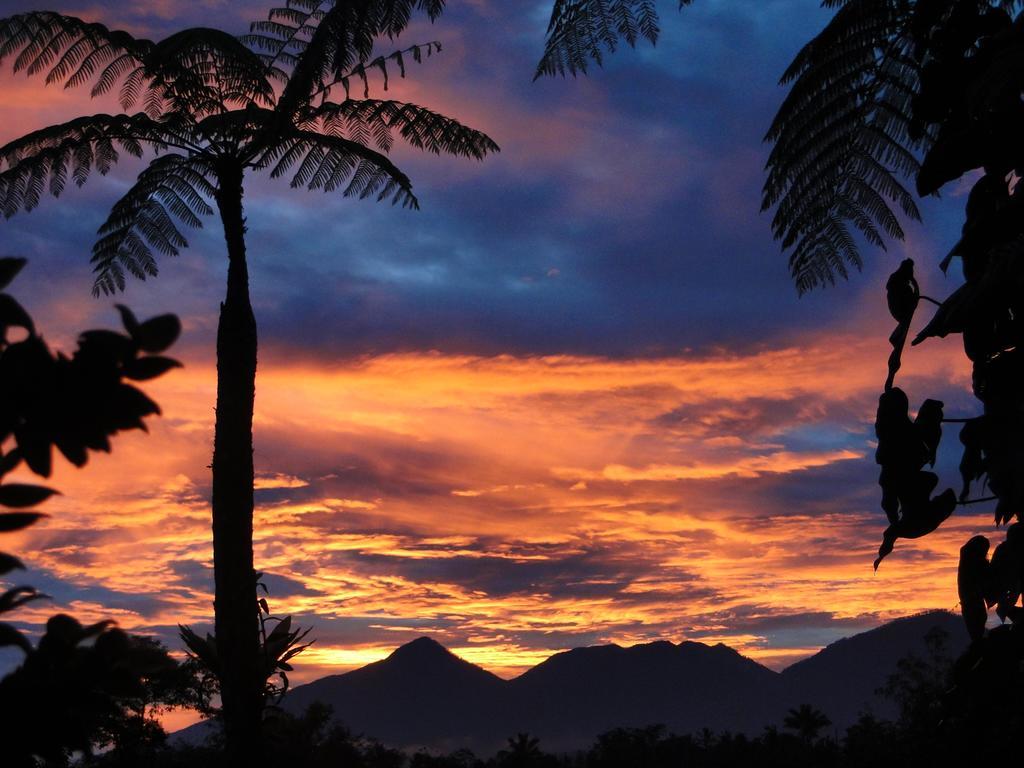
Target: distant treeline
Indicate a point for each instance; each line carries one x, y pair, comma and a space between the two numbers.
311, 741
938, 724
925, 733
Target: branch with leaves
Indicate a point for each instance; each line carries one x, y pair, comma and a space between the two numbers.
72, 686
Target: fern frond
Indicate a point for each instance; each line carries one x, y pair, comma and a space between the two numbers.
332, 163
844, 142
173, 187
71, 51
46, 156
344, 38
284, 35
582, 31
377, 120
362, 71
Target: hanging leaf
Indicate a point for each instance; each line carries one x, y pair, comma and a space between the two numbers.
15, 521
145, 368
158, 333
18, 495
9, 269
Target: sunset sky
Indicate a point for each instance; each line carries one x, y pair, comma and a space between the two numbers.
575, 399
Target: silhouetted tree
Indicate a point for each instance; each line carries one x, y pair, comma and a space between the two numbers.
641, 747
523, 751
79, 686
928, 91
215, 106
871, 741
806, 722
462, 758
919, 683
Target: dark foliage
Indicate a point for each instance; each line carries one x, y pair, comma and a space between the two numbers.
582, 31
935, 86
90, 687
890, 92
918, 737
79, 686
263, 99
279, 644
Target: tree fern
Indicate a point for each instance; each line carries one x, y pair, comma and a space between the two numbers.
850, 135
844, 141
214, 108
328, 42
582, 31
374, 120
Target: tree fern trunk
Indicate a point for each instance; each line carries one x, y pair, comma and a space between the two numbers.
235, 589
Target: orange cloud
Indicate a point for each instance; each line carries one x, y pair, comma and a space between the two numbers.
415, 493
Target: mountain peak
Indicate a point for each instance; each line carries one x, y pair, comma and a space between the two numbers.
422, 648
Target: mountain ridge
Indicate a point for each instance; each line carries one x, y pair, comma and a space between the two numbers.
424, 696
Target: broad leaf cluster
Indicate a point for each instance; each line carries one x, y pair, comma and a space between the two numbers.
72, 688
960, 109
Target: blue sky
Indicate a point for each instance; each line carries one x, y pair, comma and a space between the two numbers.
598, 312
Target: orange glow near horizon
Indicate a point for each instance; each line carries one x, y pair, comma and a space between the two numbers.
511, 507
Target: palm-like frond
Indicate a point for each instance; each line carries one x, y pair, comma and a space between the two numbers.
46, 158
383, 64
582, 31
330, 163
322, 41
373, 120
284, 35
70, 50
844, 140
143, 221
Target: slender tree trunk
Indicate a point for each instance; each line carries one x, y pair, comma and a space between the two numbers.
235, 586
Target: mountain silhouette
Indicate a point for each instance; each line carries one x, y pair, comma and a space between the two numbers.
842, 678
420, 695
578, 694
423, 696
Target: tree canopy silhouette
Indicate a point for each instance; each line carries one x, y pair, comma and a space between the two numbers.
75, 687
927, 91
212, 107
807, 722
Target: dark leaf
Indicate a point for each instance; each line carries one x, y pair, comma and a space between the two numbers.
18, 596
281, 630
13, 314
15, 521
9, 461
128, 320
158, 333
18, 495
10, 636
9, 269
35, 449
145, 368
9, 563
